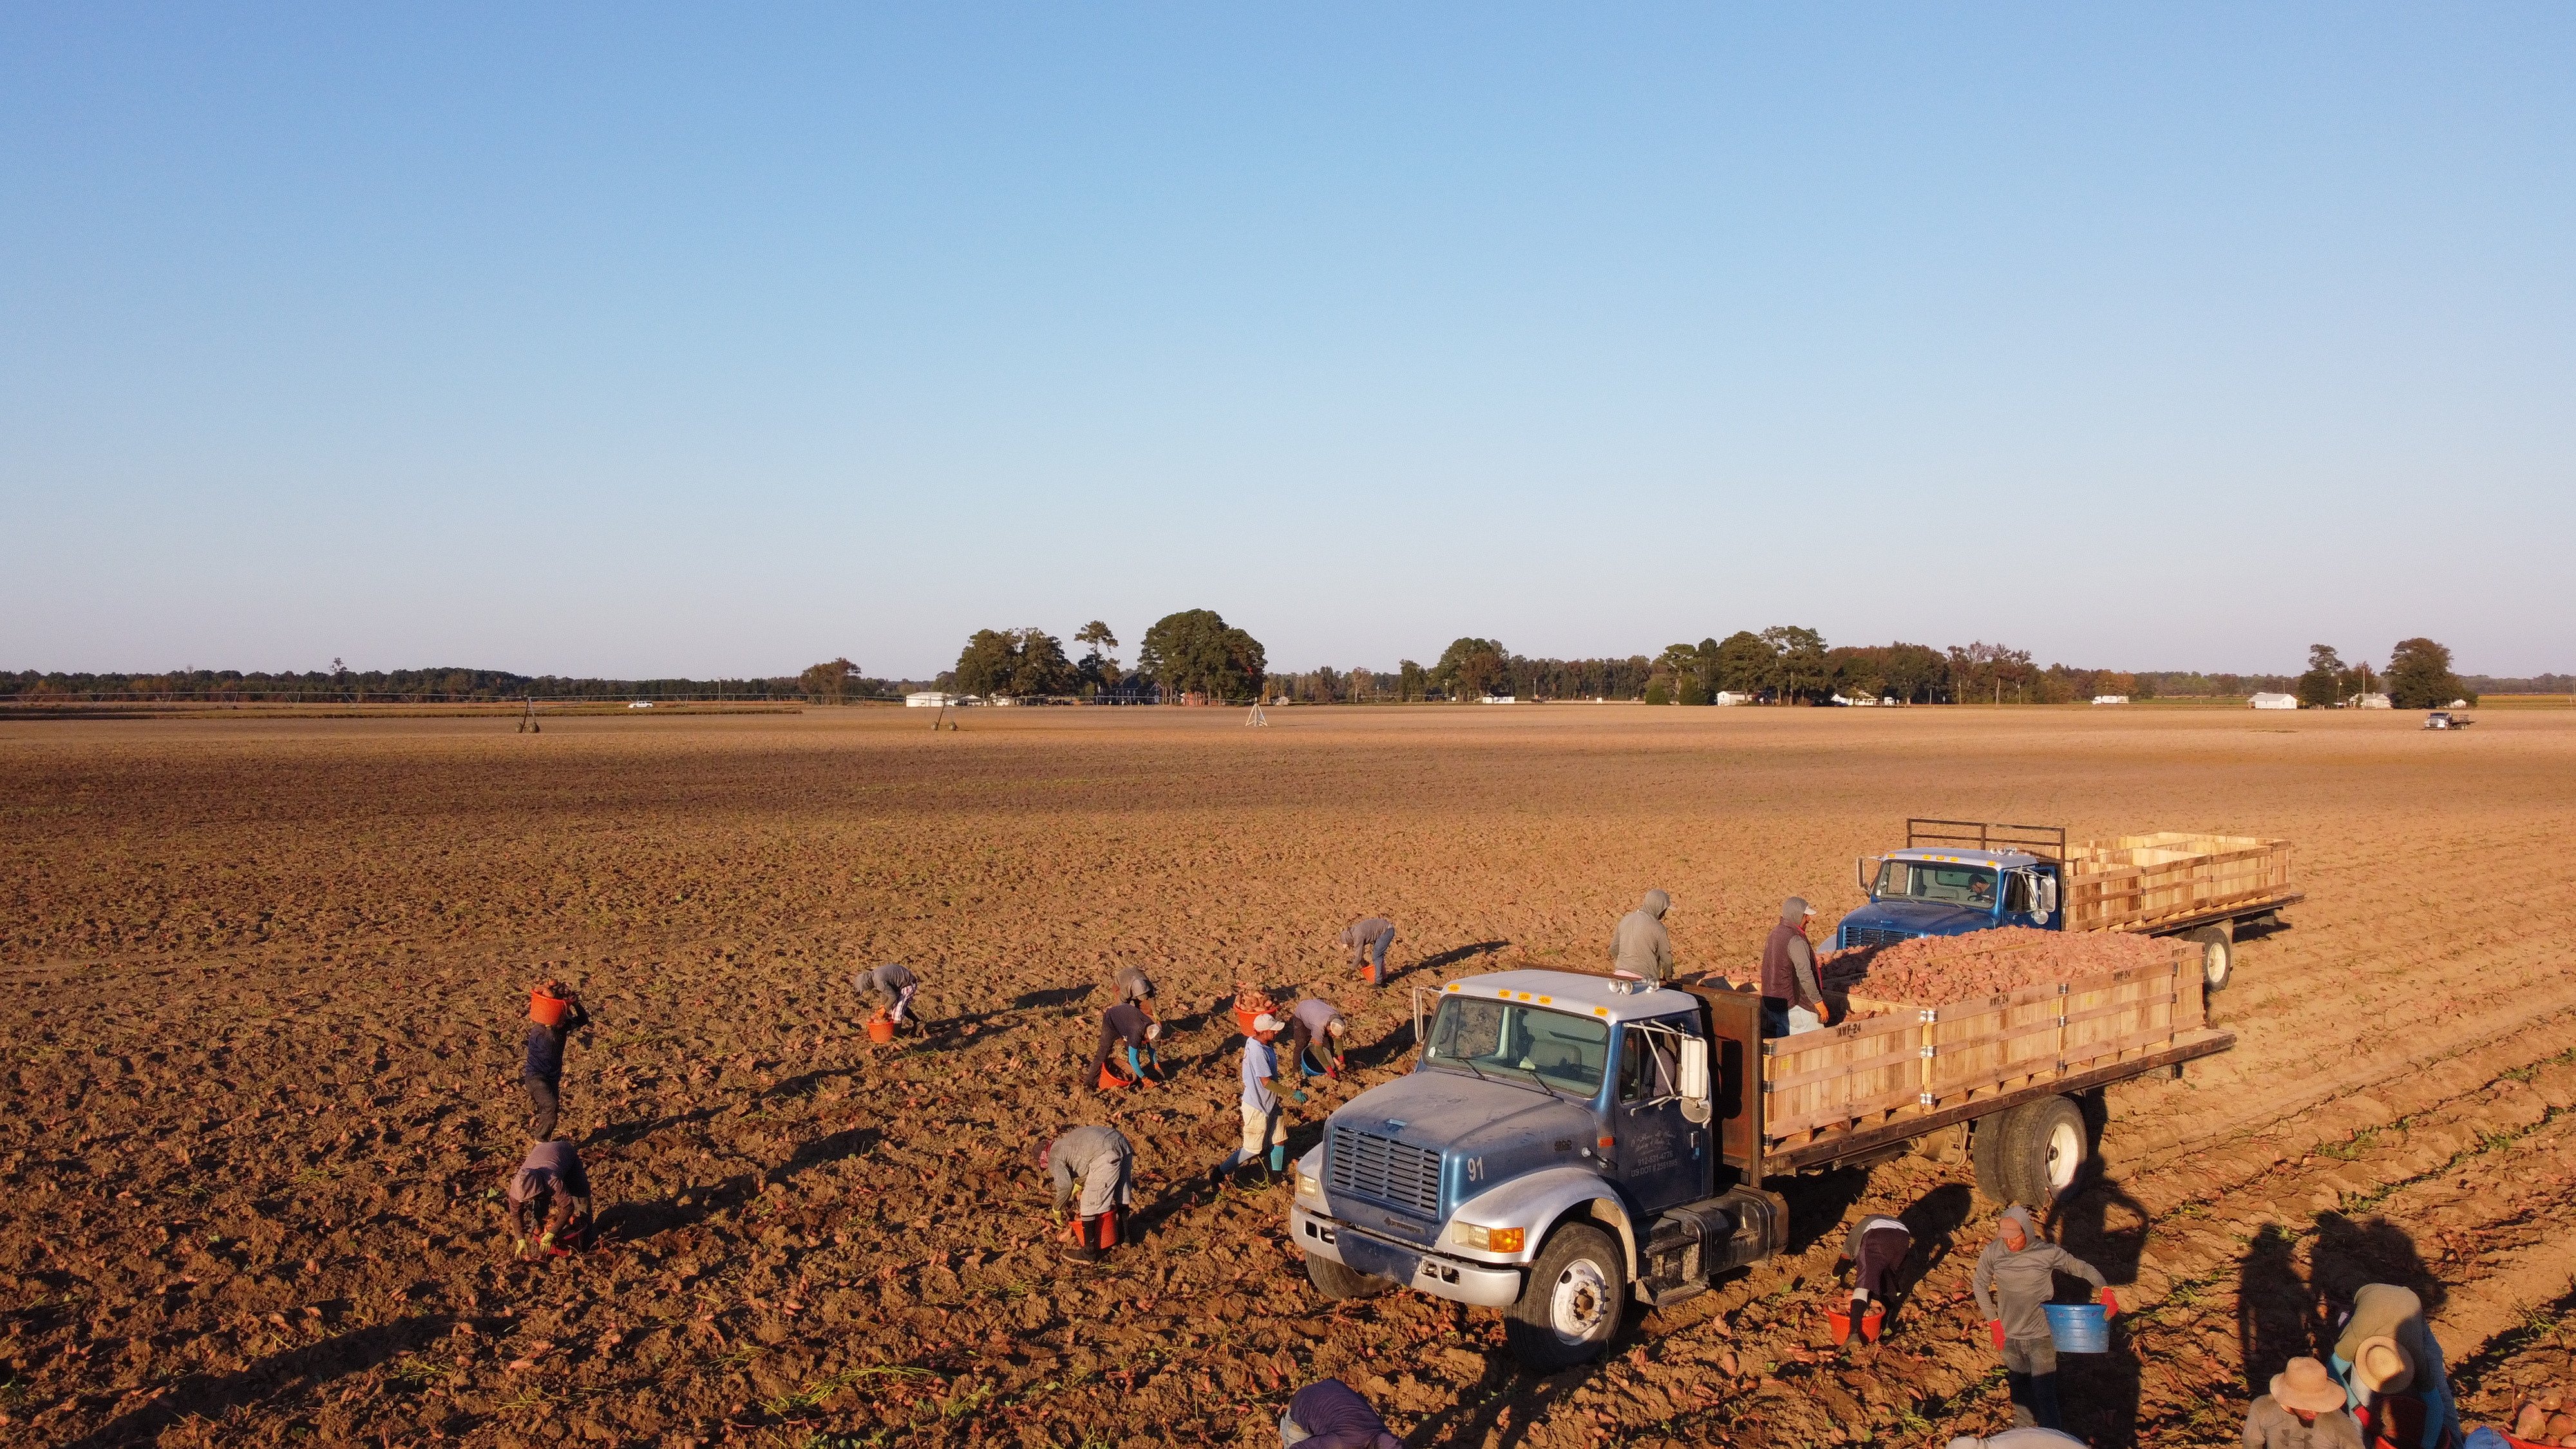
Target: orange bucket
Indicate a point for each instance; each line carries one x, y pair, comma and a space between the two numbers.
1840, 1321
880, 1030
1112, 1082
546, 1010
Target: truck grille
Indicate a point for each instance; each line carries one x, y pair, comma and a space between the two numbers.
1857, 936
1384, 1169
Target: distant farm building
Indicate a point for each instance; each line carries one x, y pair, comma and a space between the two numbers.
2274, 701
932, 699
1499, 699
2110, 699
2372, 701
1725, 696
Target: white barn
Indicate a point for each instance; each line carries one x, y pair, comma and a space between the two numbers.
931, 699
2110, 699
2275, 701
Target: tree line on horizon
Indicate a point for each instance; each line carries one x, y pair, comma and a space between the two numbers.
1196, 653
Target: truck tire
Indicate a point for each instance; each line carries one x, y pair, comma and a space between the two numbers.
1334, 1280
1571, 1304
2217, 956
2033, 1154
2049, 1146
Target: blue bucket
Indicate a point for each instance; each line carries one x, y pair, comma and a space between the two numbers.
2079, 1327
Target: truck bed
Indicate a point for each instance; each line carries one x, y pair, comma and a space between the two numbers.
1910, 1068
2170, 878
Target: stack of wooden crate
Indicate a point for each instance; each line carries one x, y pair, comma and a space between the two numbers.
2128, 882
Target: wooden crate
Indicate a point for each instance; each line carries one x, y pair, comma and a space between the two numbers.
2129, 881
1854, 1072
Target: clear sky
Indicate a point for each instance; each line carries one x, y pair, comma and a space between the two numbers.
627, 340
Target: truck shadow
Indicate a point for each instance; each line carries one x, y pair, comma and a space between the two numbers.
1442, 961
2106, 1227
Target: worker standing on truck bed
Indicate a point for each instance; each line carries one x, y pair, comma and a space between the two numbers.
542, 1070
1640, 946
1329, 1414
1126, 1024
1265, 1123
1315, 1029
892, 983
1364, 937
549, 1200
1793, 993
1877, 1248
2017, 1268
1099, 1159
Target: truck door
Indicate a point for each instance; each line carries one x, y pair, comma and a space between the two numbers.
1663, 1159
2030, 898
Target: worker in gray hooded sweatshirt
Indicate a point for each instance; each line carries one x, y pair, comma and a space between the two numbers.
2014, 1282
1641, 947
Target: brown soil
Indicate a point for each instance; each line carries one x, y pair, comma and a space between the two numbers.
265, 980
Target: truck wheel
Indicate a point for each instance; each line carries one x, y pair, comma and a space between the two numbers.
1990, 1150
2217, 956
2048, 1146
1571, 1304
1333, 1280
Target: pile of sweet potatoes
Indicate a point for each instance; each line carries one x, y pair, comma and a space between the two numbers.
1937, 970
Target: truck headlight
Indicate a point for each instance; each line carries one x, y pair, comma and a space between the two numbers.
1490, 1240
1309, 1186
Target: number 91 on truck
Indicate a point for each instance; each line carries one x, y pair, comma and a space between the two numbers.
1568, 1142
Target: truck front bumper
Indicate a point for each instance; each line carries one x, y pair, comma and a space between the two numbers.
1433, 1273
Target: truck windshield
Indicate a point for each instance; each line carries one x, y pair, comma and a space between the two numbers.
1553, 1048
1937, 880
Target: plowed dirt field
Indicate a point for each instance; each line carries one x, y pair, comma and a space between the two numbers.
261, 985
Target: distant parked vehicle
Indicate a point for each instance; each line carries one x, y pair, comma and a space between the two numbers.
2443, 719
641, 704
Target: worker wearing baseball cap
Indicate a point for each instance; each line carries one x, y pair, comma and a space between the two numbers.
1265, 1124
1793, 994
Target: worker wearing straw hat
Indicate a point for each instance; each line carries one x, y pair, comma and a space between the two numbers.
2305, 1410
2390, 1365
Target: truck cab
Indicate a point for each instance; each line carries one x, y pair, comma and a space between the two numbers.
1563, 1140
1950, 892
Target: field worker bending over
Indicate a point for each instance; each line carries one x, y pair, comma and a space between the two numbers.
2305, 1410
1132, 985
893, 984
549, 1200
542, 1072
2392, 1369
1329, 1414
1364, 939
1100, 1160
1126, 1024
1316, 1029
2016, 1269
1793, 992
1877, 1248
1265, 1123
1641, 947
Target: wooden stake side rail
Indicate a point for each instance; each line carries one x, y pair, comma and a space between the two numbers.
1825, 1151
1910, 1061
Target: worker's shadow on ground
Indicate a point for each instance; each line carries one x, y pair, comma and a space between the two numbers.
278, 1379
1934, 1219
2282, 1314
1527, 1397
1443, 960
1818, 1204
2103, 1225
623, 1134
1051, 997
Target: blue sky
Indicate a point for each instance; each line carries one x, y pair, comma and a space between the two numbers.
646, 341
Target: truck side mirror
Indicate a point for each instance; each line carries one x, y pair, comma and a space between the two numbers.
2047, 893
1695, 1104
1865, 871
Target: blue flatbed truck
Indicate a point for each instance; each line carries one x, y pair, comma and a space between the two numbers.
1957, 876
1568, 1142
